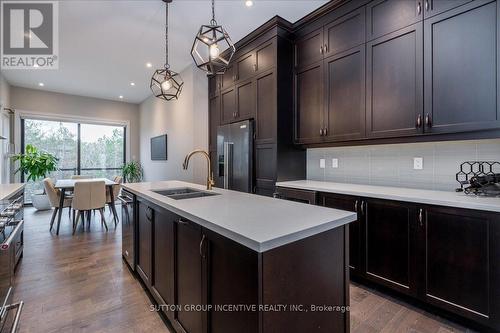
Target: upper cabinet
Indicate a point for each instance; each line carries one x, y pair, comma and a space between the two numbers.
398, 68
461, 69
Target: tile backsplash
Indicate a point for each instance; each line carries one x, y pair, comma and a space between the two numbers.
392, 165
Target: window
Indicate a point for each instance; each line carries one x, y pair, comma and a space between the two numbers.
82, 149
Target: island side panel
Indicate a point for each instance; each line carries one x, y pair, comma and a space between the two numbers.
312, 271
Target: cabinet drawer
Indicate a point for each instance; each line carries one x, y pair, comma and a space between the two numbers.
304, 196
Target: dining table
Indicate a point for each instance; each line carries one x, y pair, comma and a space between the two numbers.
65, 185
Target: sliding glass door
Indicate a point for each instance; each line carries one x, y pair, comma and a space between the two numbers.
82, 149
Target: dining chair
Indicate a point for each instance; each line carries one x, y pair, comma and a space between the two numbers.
54, 199
87, 197
116, 191
80, 177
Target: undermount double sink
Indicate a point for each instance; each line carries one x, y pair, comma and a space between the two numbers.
184, 193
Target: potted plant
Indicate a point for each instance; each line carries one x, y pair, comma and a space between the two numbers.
132, 172
36, 165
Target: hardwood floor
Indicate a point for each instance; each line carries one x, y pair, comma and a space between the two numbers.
81, 284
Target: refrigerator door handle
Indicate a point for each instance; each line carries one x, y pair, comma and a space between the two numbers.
228, 163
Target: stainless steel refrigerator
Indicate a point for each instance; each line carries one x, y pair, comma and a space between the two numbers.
235, 156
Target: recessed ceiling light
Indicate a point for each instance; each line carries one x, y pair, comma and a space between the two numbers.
249, 3
149, 65
132, 84
41, 84
120, 97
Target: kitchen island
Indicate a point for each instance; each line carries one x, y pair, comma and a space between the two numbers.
237, 262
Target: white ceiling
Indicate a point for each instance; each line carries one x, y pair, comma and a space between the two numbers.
105, 44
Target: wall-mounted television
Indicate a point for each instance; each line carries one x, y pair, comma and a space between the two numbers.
159, 148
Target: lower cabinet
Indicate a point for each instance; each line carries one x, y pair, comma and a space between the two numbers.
445, 257
144, 239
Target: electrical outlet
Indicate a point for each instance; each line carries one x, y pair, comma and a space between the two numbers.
418, 163
335, 163
322, 163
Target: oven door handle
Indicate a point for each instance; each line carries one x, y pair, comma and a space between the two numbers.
14, 233
15, 324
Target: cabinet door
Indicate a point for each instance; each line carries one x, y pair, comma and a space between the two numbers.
188, 276
245, 66
434, 7
461, 69
349, 203
228, 105
232, 278
309, 48
145, 237
457, 259
345, 95
213, 86
245, 100
214, 115
309, 103
394, 84
345, 33
228, 78
266, 125
265, 167
390, 252
163, 273
386, 16
265, 56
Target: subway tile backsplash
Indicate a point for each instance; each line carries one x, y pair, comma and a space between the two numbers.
392, 165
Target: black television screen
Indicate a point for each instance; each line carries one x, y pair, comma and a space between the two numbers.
159, 148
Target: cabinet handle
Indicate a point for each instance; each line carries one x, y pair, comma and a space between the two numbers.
320, 132
421, 217
426, 5
181, 221
149, 213
321, 49
356, 206
325, 131
202, 253
428, 120
418, 123
419, 8
362, 207
325, 48
255, 67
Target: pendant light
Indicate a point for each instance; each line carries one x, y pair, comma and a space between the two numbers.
165, 83
209, 47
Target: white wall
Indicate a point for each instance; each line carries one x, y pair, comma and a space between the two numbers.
50, 105
4, 92
5, 130
185, 121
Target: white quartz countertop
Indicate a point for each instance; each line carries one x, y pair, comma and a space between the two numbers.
440, 198
7, 190
258, 222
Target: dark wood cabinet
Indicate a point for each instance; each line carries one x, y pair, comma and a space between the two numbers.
213, 86
345, 33
345, 95
144, 265
228, 105
265, 55
245, 100
245, 66
386, 16
214, 121
461, 69
162, 286
457, 255
297, 195
434, 7
232, 278
309, 103
227, 79
353, 204
390, 247
267, 104
394, 85
188, 276
309, 48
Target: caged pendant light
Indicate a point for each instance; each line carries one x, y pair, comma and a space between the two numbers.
208, 47
165, 83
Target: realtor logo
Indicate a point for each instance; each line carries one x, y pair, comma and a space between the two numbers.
29, 35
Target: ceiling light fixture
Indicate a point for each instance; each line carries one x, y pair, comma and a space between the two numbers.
132, 84
41, 84
208, 47
249, 3
149, 65
165, 83
120, 97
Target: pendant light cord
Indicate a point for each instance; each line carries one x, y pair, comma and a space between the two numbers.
213, 21
166, 36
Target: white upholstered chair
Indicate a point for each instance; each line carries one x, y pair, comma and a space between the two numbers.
116, 191
54, 199
88, 195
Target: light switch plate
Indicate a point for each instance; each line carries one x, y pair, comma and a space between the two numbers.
335, 163
322, 163
418, 163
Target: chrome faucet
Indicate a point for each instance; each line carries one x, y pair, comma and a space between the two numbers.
210, 175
